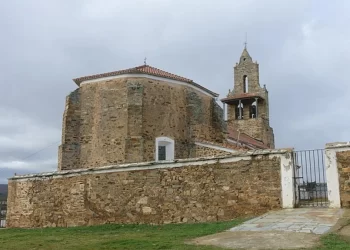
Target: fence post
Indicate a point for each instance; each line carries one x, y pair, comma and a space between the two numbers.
287, 180
332, 173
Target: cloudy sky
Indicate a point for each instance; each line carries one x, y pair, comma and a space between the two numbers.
302, 47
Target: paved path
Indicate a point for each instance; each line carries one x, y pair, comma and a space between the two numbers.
303, 220
284, 229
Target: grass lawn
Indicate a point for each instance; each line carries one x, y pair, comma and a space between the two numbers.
126, 237
334, 241
110, 236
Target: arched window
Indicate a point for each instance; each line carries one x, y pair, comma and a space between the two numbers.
252, 110
239, 111
165, 149
245, 84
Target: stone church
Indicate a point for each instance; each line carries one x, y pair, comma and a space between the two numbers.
142, 145
146, 114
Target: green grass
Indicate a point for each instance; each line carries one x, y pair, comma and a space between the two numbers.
126, 237
110, 236
334, 241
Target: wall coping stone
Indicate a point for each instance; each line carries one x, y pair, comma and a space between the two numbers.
233, 157
338, 145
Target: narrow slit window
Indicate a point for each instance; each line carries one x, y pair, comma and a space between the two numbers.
245, 84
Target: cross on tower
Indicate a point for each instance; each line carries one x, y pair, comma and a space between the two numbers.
145, 61
246, 39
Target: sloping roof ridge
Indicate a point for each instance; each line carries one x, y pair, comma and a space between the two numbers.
247, 139
252, 137
166, 73
148, 70
223, 145
254, 141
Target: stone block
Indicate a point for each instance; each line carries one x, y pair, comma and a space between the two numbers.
143, 201
146, 210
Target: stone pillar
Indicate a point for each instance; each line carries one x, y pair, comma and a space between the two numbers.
240, 109
337, 170
256, 103
287, 180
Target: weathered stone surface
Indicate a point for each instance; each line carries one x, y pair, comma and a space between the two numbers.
202, 151
343, 163
117, 121
193, 193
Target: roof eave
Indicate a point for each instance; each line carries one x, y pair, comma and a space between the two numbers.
234, 99
205, 89
249, 143
78, 81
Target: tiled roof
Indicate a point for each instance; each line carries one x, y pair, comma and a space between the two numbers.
246, 139
143, 69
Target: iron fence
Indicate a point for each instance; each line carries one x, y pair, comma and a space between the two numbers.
310, 178
3, 210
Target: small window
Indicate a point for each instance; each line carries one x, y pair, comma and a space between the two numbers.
161, 153
245, 84
165, 149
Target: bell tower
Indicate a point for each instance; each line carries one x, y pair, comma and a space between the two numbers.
248, 103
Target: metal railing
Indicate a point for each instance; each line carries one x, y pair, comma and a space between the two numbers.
3, 210
310, 178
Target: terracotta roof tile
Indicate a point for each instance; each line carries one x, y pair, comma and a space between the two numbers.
244, 138
144, 69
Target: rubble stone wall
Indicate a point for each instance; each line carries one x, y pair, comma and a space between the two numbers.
205, 151
192, 190
118, 120
343, 163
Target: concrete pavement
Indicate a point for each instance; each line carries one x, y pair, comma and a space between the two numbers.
283, 229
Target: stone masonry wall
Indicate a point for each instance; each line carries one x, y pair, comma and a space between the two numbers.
202, 151
95, 126
343, 163
250, 69
185, 191
257, 128
117, 121
69, 150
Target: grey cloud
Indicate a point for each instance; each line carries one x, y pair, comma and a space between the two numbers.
301, 47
